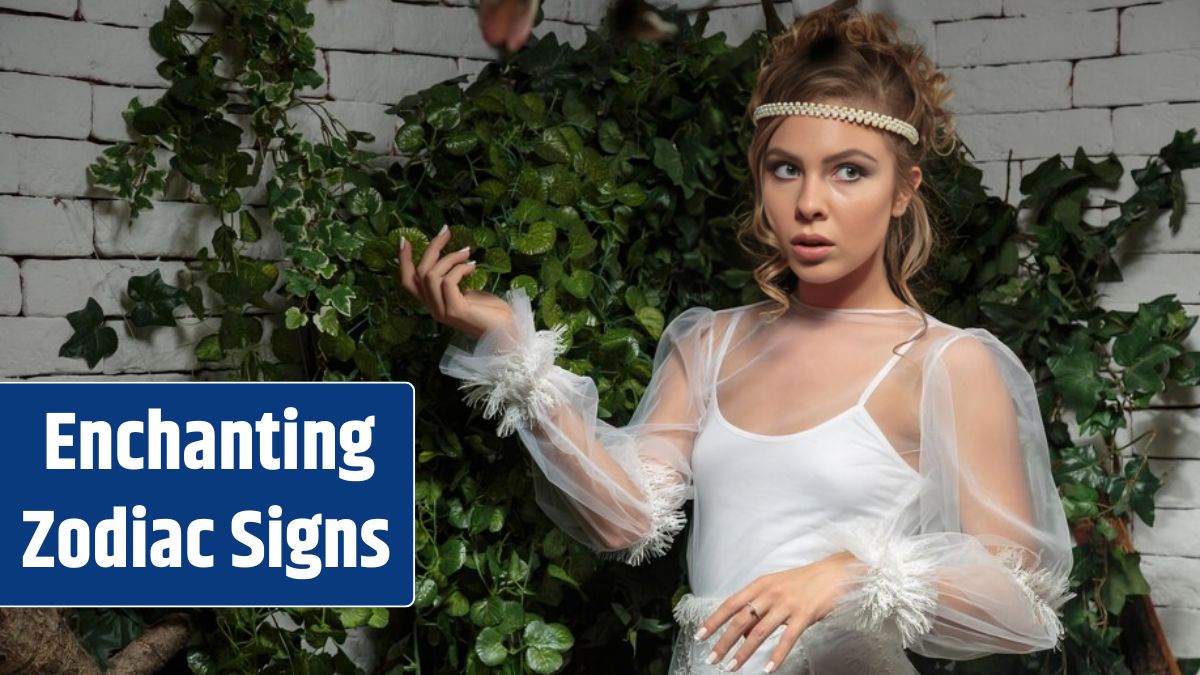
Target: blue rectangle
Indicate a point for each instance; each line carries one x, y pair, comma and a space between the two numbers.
348, 485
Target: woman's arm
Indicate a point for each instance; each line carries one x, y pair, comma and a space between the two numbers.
987, 568
619, 490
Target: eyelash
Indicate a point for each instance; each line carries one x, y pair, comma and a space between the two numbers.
861, 172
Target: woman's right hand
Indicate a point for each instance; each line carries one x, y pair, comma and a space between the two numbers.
434, 281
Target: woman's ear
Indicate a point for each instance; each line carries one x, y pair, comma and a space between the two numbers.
904, 196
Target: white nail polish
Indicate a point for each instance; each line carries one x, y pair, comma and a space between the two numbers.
770, 667
700, 633
711, 657
403, 243
731, 666
463, 249
443, 230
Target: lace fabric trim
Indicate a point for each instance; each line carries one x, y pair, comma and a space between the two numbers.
666, 494
1045, 591
518, 387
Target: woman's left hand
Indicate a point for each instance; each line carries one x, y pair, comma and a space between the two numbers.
796, 598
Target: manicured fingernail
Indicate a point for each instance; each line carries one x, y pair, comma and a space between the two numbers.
770, 667
711, 658
403, 243
465, 248
471, 263
700, 633
728, 667
443, 230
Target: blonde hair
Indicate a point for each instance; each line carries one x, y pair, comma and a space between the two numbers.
858, 60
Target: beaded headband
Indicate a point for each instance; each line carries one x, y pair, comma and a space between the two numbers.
839, 112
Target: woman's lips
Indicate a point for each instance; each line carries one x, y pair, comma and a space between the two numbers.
812, 253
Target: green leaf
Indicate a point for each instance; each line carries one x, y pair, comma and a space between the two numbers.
209, 348
154, 301
539, 239
250, 231
177, 14
668, 159
652, 320
152, 120
103, 632
92, 340
364, 201
294, 318
543, 660
579, 284
489, 646
553, 636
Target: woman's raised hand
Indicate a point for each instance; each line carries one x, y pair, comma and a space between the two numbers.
434, 281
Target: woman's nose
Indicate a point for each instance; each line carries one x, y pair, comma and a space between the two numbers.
811, 203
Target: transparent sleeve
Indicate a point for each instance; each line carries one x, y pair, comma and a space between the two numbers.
980, 562
619, 490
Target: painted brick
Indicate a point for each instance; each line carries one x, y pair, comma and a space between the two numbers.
370, 117
29, 346
44, 106
65, 8
49, 167
1043, 7
1173, 578
1161, 28
1149, 275
146, 13
10, 286
54, 227
1053, 37
1146, 129
362, 25
9, 177
57, 287
48, 46
1137, 79
1019, 87
376, 78
108, 124
1036, 134
439, 30
1174, 533
172, 229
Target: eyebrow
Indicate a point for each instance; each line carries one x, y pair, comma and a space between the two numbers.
828, 160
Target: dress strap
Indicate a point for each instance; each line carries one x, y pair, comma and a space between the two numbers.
883, 372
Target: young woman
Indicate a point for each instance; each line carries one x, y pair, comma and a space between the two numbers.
865, 478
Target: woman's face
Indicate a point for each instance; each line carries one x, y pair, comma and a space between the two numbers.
833, 179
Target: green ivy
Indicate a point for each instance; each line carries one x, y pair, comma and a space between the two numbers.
607, 182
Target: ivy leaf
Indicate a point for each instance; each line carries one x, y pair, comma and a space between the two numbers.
155, 300
92, 340
209, 349
177, 14
250, 230
105, 631
152, 120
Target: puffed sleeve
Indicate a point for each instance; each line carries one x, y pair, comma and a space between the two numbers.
980, 562
619, 490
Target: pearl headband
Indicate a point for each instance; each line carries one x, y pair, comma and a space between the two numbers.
858, 115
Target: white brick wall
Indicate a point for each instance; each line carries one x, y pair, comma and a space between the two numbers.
1031, 77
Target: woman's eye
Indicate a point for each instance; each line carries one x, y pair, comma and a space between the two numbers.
857, 171
775, 168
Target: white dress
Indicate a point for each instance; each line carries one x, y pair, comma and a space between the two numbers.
796, 439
